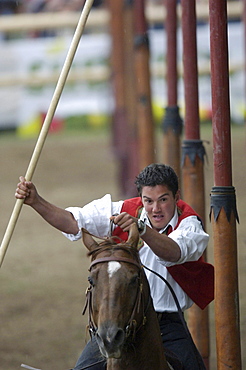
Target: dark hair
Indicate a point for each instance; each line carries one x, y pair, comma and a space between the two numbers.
157, 174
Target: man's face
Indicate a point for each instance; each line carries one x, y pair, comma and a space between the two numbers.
159, 204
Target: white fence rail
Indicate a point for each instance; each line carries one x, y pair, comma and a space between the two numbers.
99, 18
29, 68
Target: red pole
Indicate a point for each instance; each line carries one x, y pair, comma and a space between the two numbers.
123, 77
220, 101
119, 119
171, 31
193, 158
223, 199
130, 90
145, 121
172, 123
192, 131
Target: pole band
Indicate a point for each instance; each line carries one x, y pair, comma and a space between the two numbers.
172, 120
223, 197
128, 2
192, 148
141, 40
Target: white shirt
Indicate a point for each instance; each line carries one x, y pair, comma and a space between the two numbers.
189, 235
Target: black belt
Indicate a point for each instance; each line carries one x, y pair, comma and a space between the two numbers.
168, 315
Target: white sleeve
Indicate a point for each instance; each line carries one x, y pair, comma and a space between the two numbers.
95, 216
191, 238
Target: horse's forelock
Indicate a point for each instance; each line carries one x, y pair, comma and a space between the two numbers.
110, 244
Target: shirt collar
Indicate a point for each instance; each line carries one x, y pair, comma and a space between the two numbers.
173, 222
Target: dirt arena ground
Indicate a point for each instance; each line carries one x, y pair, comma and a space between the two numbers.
44, 276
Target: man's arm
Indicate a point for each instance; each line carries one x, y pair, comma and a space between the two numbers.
55, 216
163, 246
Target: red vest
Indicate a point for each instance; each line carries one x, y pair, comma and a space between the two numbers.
195, 278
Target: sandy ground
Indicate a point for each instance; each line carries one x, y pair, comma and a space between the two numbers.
44, 276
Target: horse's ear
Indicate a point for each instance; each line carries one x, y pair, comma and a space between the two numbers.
88, 241
133, 237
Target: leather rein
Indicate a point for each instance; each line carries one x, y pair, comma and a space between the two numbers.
132, 326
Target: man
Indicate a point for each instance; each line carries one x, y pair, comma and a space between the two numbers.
173, 241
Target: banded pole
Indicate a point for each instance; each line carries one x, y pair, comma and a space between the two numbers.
193, 158
47, 122
130, 88
119, 118
223, 198
145, 121
124, 126
172, 123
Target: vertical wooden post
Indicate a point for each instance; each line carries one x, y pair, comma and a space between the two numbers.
223, 199
130, 89
119, 119
124, 126
172, 123
145, 119
192, 159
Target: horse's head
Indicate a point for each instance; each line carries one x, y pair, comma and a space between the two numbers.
115, 290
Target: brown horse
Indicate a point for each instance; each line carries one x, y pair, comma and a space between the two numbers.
121, 313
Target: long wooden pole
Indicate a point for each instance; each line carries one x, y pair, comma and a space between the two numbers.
119, 118
193, 158
223, 198
172, 123
47, 122
130, 95
145, 120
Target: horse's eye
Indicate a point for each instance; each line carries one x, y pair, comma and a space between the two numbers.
90, 281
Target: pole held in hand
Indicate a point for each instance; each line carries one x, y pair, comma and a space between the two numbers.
47, 122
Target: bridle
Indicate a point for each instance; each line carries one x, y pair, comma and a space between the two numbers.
132, 325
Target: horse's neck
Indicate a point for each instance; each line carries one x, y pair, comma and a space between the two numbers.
146, 351
150, 341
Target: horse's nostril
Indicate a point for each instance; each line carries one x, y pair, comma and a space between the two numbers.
119, 336
110, 337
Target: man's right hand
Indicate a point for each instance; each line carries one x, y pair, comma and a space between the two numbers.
27, 191
59, 218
